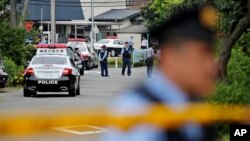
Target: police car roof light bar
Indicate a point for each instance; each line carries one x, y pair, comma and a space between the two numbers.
51, 46
76, 40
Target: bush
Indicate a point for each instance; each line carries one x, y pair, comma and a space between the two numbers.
14, 72
236, 89
111, 61
139, 64
12, 42
29, 52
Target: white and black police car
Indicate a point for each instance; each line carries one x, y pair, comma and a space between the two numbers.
52, 70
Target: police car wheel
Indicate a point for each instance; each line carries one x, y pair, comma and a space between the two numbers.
72, 92
113, 54
82, 71
88, 66
27, 93
78, 89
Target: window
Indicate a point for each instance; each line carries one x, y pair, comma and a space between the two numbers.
82, 49
129, 2
103, 42
49, 60
121, 42
116, 42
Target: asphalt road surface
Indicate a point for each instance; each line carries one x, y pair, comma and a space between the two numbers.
96, 92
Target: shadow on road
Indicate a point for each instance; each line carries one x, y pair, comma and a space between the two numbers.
51, 95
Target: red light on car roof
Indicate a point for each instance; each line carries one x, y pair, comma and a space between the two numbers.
112, 37
76, 40
51, 46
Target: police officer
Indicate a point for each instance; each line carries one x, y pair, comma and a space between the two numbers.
131, 43
126, 59
103, 55
186, 70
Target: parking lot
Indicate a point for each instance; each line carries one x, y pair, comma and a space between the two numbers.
96, 92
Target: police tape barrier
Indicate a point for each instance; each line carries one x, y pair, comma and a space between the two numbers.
158, 115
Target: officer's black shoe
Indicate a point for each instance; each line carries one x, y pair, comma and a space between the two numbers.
102, 75
122, 74
106, 75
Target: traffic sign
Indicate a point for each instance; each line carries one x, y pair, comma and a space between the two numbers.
28, 26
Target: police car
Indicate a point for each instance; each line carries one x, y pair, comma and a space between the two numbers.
52, 70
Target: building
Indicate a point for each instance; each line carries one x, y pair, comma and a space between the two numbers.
120, 18
74, 17
136, 30
39, 12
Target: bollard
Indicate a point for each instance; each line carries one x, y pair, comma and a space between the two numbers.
116, 63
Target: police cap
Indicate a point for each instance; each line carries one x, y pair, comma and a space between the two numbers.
188, 22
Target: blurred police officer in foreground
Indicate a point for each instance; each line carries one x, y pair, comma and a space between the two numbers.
126, 59
103, 58
187, 70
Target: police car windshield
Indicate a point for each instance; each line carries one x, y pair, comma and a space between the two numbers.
49, 60
103, 41
83, 49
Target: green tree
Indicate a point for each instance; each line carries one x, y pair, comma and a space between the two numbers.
233, 22
12, 43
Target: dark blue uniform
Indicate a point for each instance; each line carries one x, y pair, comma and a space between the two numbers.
103, 62
126, 58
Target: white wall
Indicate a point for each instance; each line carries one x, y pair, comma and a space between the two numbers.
122, 25
126, 36
68, 29
112, 4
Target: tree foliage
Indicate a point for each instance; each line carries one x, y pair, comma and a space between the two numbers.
236, 89
234, 20
12, 42
158, 11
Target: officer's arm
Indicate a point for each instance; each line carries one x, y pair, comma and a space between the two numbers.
100, 59
122, 51
105, 55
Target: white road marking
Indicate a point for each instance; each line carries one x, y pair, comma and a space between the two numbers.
68, 129
97, 72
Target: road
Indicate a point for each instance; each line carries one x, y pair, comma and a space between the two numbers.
96, 92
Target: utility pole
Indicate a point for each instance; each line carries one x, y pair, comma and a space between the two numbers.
13, 20
24, 13
92, 23
41, 26
53, 21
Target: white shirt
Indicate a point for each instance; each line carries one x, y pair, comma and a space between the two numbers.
150, 52
130, 41
144, 43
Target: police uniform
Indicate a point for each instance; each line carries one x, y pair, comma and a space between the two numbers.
126, 59
161, 90
103, 57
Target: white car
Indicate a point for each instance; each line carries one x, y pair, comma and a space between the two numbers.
114, 46
51, 73
90, 57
